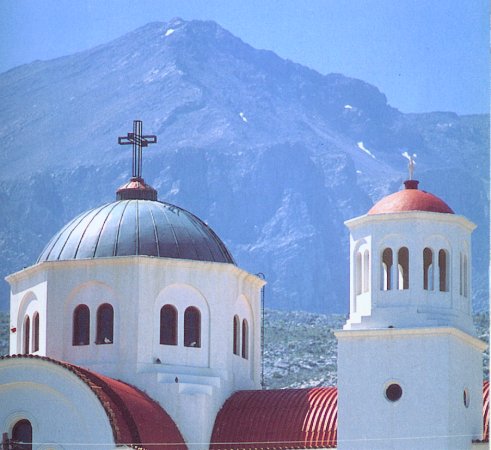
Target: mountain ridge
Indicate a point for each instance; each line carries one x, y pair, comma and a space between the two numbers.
274, 155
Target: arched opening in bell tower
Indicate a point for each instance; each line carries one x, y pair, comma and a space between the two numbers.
403, 268
428, 269
358, 273
463, 275
366, 271
386, 272
443, 270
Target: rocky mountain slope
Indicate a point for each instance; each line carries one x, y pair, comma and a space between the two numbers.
273, 155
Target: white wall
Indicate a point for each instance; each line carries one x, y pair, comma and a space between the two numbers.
137, 287
63, 411
431, 365
415, 306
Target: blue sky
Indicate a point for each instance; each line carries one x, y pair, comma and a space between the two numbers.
424, 55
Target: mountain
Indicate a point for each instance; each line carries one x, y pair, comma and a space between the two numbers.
273, 155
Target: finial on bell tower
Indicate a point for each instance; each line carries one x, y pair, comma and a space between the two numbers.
136, 187
411, 164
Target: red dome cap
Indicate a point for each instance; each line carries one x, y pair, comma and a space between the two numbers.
410, 199
136, 189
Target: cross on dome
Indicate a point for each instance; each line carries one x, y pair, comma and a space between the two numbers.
136, 189
138, 141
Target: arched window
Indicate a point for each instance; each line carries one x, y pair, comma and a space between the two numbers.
443, 270
386, 279
35, 332
466, 278
27, 334
236, 335
105, 324
403, 268
358, 273
428, 269
192, 327
366, 271
22, 435
168, 325
245, 339
81, 325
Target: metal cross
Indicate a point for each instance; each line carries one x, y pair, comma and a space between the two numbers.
138, 141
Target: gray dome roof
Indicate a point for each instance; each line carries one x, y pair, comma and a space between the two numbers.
136, 227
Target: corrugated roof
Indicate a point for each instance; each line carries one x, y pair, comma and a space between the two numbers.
277, 419
249, 420
287, 419
136, 227
485, 411
135, 418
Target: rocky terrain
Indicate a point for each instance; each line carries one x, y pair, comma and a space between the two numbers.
299, 347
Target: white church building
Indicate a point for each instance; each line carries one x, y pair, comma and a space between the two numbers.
136, 329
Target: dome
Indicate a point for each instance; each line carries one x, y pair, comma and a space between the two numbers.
410, 199
136, 227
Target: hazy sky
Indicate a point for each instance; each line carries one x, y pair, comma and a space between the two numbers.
425, 55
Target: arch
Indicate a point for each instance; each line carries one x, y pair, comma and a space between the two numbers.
428, 269
28, 303
26, 308
26, 330
386, 272
245, 339
81, 325
443, 270
105, 324
92, 293
35, 332
403, 268
168, 325
192, 327
366, 271
22, 435
236, 335
182, 296
358, 273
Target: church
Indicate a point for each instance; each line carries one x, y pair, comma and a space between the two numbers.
136, 329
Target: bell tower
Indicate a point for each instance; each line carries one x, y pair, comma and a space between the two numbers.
409, 364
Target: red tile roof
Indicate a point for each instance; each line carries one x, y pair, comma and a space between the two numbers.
410, 199
287, 419
249, 420
277, 419
135, 418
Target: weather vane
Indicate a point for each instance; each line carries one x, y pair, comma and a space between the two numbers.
411, 164
138, 141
